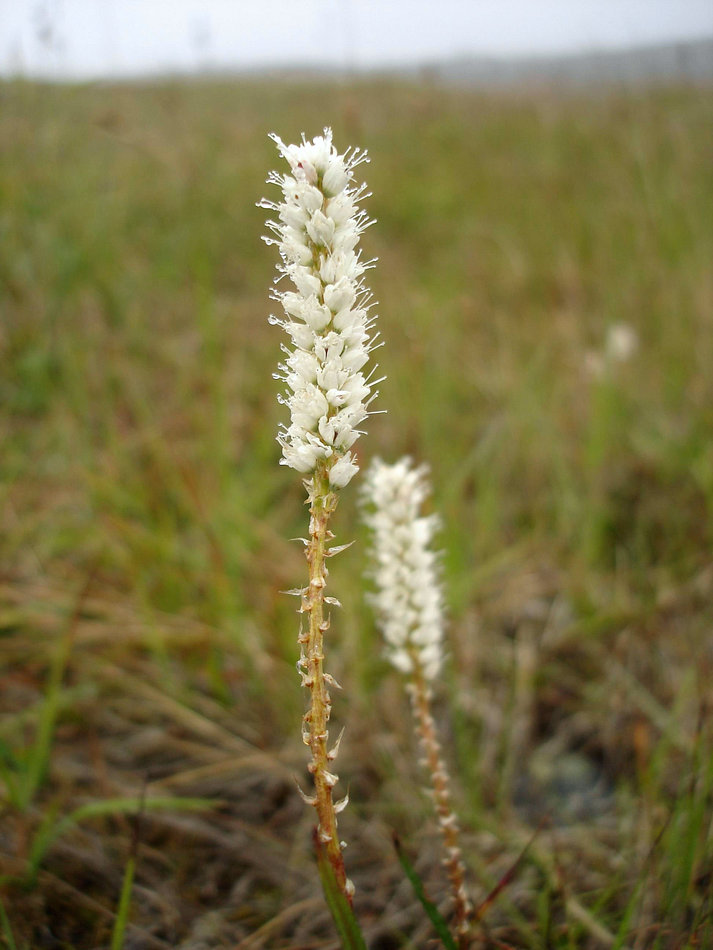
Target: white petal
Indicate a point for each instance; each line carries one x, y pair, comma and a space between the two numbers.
342, 472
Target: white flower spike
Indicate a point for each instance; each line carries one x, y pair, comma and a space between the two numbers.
327, 314
408, 600
409, 608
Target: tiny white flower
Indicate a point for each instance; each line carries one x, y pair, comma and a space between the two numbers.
317, 230
302, 458
621, 342
306, 282
336, 178
315, 314
321, 229
305, 365
301, 334
341, 208
620, 345
342, 472
294, 216
339, 297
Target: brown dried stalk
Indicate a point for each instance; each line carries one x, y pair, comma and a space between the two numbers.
420, 695
315, 733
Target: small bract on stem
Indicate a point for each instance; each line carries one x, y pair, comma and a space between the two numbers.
326, 314
409, 605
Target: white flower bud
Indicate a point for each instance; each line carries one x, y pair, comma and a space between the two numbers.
342, 472
340, 209
316, 315
329, 376
353, 360
308, 406
311, 198
306, 282
336, 177
294, 216
339, 296
346, 319
331, 347
321, 229
301, 334
304, 365
305, 171
345, 240
297, 253
302, 457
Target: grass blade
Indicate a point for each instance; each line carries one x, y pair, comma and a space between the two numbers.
50, 831
434, 915
39, 753
122, 913
7, 933
505, 880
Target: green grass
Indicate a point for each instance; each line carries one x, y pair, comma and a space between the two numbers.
139, 466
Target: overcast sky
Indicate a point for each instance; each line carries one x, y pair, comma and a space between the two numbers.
93, 38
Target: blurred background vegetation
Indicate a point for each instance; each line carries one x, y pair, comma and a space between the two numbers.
146, 649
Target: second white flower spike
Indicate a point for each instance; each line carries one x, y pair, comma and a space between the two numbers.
408, 600
409, 607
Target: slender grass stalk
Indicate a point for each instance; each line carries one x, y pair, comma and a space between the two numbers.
37, 760
53, 828
123, 910
432, 912
122, 913
326, 316
409, 607
6, 928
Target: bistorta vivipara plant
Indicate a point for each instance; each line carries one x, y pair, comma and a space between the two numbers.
408, 602
326, 314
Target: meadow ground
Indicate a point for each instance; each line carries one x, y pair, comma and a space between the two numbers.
149, 735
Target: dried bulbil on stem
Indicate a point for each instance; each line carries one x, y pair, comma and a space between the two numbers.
409, 606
